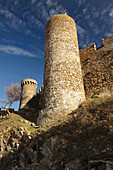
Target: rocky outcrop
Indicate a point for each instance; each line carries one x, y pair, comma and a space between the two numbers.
11, 138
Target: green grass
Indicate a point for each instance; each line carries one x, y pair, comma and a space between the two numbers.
16, 120
94, 103
88, 109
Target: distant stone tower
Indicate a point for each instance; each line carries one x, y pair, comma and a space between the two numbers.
63, 84
28, 90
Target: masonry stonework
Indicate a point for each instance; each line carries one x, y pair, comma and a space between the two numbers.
63, 88
63, 83
97, 67
28, 90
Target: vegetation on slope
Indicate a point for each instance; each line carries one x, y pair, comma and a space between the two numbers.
71, 141
16, 120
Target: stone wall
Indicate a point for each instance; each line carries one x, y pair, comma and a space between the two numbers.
97, 67
35, 102
31, 108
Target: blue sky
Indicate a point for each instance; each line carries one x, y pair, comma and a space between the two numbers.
22, 33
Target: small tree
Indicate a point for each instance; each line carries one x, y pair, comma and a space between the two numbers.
13, 93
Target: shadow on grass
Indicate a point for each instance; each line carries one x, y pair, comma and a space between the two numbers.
86, 135
81, 138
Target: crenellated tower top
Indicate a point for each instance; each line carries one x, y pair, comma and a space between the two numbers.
28, 90
28, 81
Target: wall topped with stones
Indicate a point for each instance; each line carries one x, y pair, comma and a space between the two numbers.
97, 67
36, 102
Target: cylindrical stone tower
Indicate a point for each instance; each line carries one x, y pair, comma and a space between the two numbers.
28, 90
63, 84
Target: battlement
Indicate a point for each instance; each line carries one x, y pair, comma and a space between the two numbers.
97, 67
90, 51
107, 41
40, 90
84, 53
90, 48
28, 81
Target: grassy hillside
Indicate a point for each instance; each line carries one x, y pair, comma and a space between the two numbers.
15, 120
71, 142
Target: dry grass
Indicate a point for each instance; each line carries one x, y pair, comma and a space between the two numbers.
90, 109
16, 120
95, 102
87, 133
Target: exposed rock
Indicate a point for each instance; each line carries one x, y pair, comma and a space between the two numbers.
33, 124
8, 148
71, 144
25, 121
73, 165
1, 156
16, 145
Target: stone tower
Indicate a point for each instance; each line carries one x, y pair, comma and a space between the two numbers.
28, 90
63, 84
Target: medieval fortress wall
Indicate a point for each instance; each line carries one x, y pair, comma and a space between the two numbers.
97, 67
68, 78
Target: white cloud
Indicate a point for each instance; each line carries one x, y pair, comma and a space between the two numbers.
80, 30
81, 35
81, 2
50, 3
108, 34
18, 24
49, 9
16, 51
84, 10
107, 9
57, 10
35, 14
87, 16
96, 31
33, 1
16, 2
12, 21
33, 21
111, 13
7, 14
94, 12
